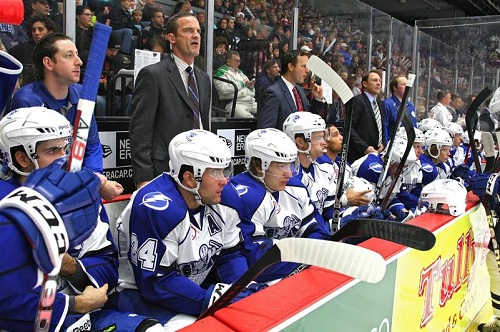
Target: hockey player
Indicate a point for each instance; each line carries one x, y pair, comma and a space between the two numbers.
176, 241
438, 145
458, 152
33, 138
489, 184
274, 204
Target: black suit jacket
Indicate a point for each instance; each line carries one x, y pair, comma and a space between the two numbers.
278, 104
364, 132
160, 110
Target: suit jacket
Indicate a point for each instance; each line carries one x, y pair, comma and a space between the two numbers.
364, 132
278, 103
161, 110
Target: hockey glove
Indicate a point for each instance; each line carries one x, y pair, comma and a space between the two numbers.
464, 173
74, 195
482, 184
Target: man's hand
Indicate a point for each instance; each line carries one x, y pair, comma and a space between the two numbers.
91, 299
370, 149
68, 267
357, 197
317, 91
110, 190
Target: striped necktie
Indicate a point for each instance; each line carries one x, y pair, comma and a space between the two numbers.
378, 119
193, 97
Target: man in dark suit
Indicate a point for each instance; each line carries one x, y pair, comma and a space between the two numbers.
367, 128
285, 96
166, 100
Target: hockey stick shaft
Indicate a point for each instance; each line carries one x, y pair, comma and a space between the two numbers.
88, 96
410, 135
321, 69
471, 120
81, 127
399, 119
354, 261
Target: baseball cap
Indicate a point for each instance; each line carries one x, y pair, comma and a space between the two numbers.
306, 48
114, 42
240, 14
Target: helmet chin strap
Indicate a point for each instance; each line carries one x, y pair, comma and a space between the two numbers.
195, 192
18, 171
307, 152
261, 180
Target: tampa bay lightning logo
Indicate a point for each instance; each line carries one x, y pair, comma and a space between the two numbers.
190, 136
241, 189
156, 201
375, 167
427, 168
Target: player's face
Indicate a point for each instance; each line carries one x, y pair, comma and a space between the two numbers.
417, 147
334, 140
400, 88
65, 64
457, 140
212, 183
186, 41
50, 150
299, 71
444, 153
318, 144
277, 175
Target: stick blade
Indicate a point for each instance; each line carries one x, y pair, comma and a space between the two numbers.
321, 69
408, 235
353, 261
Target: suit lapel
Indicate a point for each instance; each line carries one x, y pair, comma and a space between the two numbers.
177, 82
288, 95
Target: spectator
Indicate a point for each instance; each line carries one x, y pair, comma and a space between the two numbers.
220, 51
121, 21
40, 8
157, 26
84, 30
57, 67
162, 104
12, 35
268, 78
246, 106
148, 10
286, 96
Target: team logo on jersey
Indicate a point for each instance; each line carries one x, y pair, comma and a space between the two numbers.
375, 167
207, 254
241, 189
156, 201
427, 168
213, 226
321, 195
291, 225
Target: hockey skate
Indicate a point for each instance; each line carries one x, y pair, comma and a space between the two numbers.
493, 326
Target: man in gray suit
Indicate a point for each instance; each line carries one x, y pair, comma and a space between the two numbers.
168, 99
286, 96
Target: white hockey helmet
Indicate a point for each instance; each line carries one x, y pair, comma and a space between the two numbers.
445, 196
269, 145
303, 123
199, 149
361, 184
494, 105
438, 137
428, 124
453, 128
26, 127
419, 136
465, 137
398, 150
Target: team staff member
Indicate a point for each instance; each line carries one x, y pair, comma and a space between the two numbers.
286, 96
367, 128
163, 104
57, 67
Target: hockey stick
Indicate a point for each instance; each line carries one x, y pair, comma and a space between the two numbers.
353, 261
410, 135
471, 120
408, 235
80, 134
399, 119
321, 69
86, 102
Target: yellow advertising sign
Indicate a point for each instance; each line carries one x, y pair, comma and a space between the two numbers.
443, 289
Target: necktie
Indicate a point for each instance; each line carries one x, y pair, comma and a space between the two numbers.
298, 100
193, 97
378, 119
